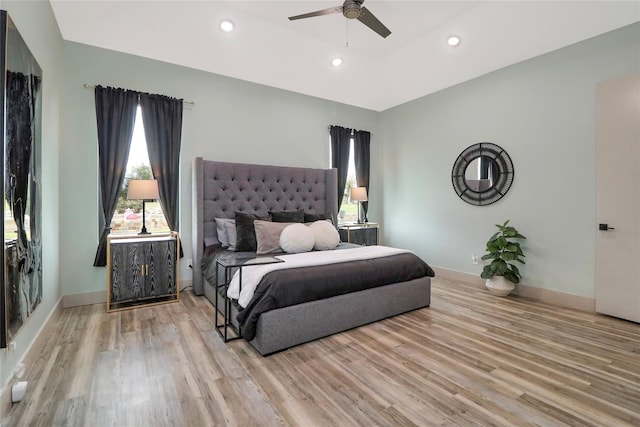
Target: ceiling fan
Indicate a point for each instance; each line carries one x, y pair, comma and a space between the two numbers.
351, 9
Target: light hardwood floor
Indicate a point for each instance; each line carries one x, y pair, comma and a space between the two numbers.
469, 359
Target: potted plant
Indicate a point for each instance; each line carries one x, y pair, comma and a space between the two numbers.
503, 251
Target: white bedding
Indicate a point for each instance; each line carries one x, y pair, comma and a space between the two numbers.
251, 276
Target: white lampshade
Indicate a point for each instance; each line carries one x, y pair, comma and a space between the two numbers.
358, 194
143, 189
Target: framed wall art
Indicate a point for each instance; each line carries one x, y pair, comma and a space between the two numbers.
21, 123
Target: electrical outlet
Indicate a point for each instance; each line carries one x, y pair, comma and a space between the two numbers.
19, 371
475, 258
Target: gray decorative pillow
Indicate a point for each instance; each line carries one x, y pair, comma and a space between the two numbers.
268, 236
246, 234
287, 216
313, 217
222, 231
210, 241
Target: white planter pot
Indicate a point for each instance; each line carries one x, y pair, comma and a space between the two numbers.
500, 286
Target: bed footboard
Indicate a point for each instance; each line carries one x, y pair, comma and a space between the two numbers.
286, 327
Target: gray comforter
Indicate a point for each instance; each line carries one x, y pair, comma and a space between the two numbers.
293, 286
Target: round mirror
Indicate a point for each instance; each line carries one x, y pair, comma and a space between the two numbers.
482, 174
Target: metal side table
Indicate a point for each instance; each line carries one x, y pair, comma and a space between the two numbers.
231, 264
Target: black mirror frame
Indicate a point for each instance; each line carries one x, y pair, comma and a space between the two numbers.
502, 182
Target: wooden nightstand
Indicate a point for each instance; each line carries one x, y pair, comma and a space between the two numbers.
366, 234
142, 270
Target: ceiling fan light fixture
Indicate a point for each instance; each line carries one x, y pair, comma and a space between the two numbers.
351, 10
226, 26
453, 40
336, 62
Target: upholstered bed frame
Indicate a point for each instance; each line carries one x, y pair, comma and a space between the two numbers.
220, 189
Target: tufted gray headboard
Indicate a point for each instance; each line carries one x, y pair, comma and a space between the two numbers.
221, 189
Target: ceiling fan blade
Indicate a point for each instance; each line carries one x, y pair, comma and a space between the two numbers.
368, 19
337, 9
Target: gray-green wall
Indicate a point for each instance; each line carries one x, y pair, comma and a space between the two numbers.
542, 111
232, 120
37, 25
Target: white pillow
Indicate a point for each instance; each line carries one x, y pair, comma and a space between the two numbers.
325, 235
223, 237
210, 241
296, 238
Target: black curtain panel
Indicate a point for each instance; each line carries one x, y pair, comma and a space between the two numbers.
162, 119
340, 145
362, 160
115, 116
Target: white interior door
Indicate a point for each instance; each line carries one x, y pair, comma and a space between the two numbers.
618, 197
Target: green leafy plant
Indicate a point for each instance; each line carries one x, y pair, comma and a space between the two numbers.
503, 252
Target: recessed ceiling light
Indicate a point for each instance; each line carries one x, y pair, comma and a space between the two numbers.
453, 40
226, 26
336, 62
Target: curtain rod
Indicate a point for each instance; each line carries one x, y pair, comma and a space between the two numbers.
352, 130
89, 86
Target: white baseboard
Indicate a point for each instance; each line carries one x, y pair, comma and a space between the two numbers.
547, 296
30, 356
185, 283
560, 299
86, 298
459, 276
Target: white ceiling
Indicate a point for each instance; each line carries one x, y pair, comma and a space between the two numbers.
376, 74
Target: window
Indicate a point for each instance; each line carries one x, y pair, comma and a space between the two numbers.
127, 219
349, 210
349, 143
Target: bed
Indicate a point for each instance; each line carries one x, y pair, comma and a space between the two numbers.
221, 189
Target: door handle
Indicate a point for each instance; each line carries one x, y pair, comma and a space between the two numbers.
605, 227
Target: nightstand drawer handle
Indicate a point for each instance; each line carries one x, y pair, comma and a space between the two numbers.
144, 269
